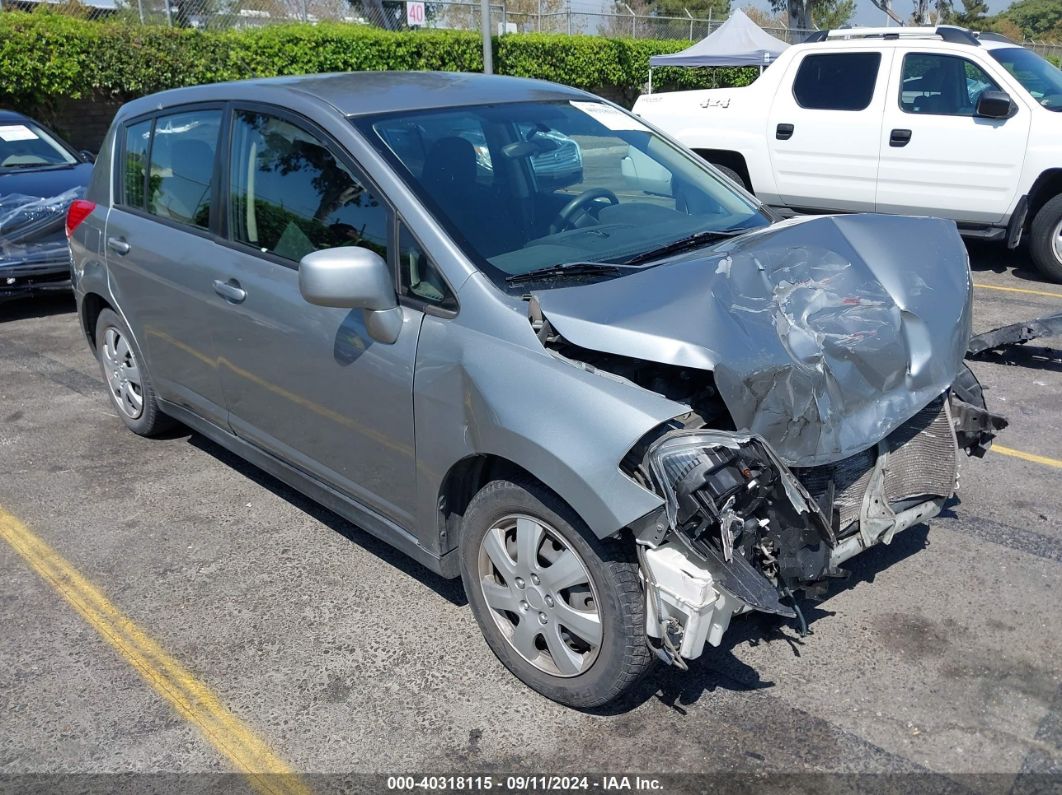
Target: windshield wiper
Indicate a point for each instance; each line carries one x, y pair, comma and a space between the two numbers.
695, 240
566, 269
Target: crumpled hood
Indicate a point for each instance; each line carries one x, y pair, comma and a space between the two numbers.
825, 334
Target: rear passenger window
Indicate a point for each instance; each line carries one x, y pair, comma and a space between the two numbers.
289, 195
182, 166
837, 81
134, 164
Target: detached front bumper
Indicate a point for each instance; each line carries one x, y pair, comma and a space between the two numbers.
735, 556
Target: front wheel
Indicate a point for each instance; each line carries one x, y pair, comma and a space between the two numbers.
1045, 239
563, 610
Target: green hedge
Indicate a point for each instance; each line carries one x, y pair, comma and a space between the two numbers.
46, 57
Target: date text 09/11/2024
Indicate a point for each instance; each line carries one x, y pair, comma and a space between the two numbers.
525, 783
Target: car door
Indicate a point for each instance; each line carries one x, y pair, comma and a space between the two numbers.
304, 382
161, 254
938, 157
824, 129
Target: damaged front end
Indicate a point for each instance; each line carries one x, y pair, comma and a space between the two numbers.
742, 531
822, 363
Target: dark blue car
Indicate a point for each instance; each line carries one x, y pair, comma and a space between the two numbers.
40, 175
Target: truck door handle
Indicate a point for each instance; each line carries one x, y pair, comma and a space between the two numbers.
899, 138
230, 290
117, 245
783, 132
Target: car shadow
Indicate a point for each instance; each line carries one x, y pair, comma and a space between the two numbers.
23, 308
997, 258
720, 669
1028, 356
451, 590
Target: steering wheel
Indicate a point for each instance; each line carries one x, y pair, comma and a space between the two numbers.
569, 212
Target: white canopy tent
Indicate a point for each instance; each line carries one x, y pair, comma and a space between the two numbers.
737, 42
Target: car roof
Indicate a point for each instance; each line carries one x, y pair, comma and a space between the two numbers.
8, 116
363, 93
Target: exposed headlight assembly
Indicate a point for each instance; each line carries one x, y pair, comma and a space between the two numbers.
733, 502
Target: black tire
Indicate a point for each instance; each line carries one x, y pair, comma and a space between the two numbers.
150, 420
736, 177
623, 656
1042, 239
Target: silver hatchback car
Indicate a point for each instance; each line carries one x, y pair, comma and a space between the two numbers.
624, 406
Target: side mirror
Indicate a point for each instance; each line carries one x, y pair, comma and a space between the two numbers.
994, 105
351, 277
87, 156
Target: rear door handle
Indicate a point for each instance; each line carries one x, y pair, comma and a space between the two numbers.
783, 132
117, 245
230, 290
899, 138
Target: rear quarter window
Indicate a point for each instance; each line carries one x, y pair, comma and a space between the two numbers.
132, 166
837, 81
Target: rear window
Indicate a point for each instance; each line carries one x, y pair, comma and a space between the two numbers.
837, 81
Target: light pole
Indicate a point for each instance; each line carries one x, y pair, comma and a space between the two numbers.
484, 23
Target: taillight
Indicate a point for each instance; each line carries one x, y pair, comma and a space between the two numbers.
80, 209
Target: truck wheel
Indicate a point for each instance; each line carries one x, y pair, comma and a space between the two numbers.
561, 609
734, 176
1045, 241
128, 383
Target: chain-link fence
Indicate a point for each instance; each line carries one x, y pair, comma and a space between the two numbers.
514, 16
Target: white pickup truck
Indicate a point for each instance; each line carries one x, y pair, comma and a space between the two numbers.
916, 121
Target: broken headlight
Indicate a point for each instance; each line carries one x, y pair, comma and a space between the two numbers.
737, 504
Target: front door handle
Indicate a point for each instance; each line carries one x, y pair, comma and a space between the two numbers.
117, 245
783, 132
899, 138
230, 290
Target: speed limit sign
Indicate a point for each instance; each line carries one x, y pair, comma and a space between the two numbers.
415, 14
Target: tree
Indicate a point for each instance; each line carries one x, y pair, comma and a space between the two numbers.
810, 14
1038, 19
701, 9
974, 14
764, 19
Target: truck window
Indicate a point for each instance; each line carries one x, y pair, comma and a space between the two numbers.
836, 81
942, 85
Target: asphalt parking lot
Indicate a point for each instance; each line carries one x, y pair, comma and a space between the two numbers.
940, 655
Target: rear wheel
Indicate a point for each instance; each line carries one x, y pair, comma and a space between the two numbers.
563, 610
128, 383
1045, 239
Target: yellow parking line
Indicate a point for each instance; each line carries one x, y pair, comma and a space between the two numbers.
192, 699
1036, 459
1017, 290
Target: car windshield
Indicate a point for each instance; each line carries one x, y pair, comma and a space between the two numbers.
535, 185
25, 145
1039, 77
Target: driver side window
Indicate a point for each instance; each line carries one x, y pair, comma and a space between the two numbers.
290, 196
942, 85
